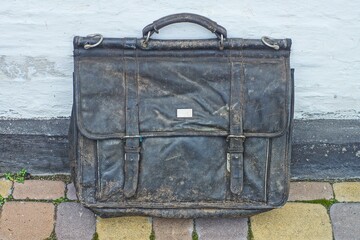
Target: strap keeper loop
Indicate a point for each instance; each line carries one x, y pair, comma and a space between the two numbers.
242, 137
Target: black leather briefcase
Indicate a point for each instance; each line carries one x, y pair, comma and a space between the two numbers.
181, 128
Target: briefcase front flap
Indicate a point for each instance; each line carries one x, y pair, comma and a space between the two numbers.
181, 96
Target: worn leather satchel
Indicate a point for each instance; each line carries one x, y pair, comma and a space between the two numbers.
181, 128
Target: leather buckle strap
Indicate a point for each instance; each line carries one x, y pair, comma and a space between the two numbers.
236, 138
131, 173
132, 149
132, 138
236, 154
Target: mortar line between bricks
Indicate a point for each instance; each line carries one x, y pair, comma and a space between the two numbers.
250, 235
152, 227
332, 230
40, 200
333, 191
331, 223
55, 218
12, 188
57, 177
96, 219
66, 188
194, 229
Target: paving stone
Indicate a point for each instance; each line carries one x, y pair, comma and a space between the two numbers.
300, 191
222, 228
26, 220
293, 221
71, 192
5, 187
39, 189
172, 229
347, 191
73, 221
124, 228
345, 218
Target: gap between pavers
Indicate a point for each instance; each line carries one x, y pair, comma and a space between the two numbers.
39, 190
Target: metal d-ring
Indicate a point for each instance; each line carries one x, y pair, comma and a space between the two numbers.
270, 42
96, 35
221, 42
146, 41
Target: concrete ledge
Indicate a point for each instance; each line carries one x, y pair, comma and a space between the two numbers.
322, 149
326, 149
40, 146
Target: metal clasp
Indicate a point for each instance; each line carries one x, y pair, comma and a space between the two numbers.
221, 42
96, 35
146, 41
133, 136
243, 137
270, 42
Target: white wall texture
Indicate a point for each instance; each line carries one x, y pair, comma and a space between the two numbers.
36, 46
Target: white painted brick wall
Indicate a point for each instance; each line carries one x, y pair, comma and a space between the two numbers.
36, 46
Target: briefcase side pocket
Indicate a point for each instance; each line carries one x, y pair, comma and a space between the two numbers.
110, 158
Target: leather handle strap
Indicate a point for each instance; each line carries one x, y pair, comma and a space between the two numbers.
184, 17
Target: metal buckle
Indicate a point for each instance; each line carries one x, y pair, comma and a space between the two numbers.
134, 136
243, 137
132, 159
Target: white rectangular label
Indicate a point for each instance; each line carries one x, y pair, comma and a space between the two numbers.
184, 112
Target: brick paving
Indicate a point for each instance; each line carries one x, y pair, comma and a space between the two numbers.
304, 217
5, 187
347, 191
124, 228
71, 192
173, 229
222, 228
37, 189
300, 191
293, 221
73, 221
345, 219
26, 220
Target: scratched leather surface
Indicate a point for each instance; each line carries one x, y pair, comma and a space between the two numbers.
166, 84
183, 164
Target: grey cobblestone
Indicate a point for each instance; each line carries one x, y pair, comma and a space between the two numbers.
71, 192
74, 222
345, 219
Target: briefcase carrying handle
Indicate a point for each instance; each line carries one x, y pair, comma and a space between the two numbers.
212, 26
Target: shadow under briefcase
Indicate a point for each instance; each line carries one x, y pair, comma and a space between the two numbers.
181, 128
